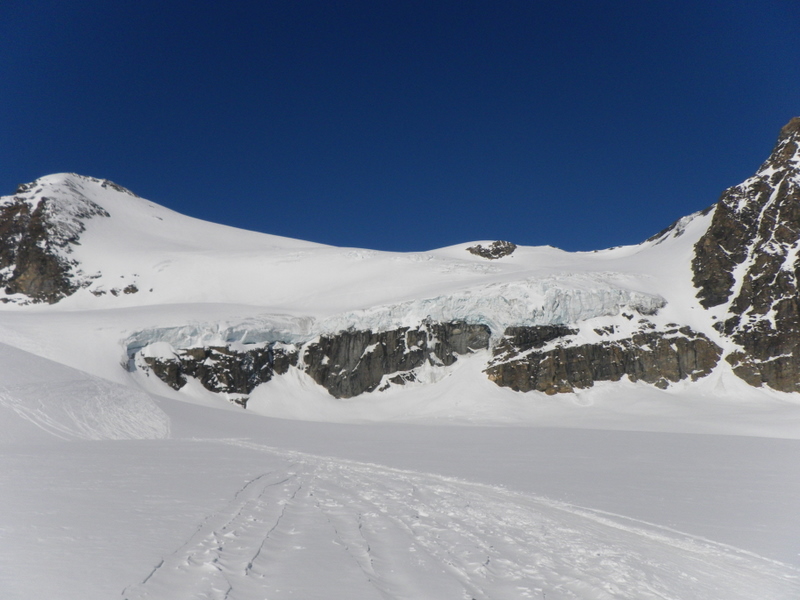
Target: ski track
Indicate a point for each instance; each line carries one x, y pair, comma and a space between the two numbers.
326, 528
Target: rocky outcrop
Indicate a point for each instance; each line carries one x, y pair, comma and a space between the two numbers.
352, 362
517, 340
27, 264
36, 238
493, 251
651, 356
222, 369
747, 263
346, 364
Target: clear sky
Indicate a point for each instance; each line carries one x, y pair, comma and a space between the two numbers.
401, 125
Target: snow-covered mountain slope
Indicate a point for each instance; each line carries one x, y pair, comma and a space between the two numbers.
110, 239
395, 534
115, 250
358, 321
633, 418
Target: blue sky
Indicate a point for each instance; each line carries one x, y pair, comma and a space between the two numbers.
403, 125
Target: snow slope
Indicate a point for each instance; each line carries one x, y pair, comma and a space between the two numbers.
398, 512
172, 258
115, 485
382, 533
152, 275
198, 517
69, 404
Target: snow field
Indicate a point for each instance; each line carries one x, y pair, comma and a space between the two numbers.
69, 404
313, 527
251, 518
97, 504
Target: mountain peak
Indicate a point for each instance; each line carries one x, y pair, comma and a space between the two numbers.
747, 264
786, 153
70, 181
792, 128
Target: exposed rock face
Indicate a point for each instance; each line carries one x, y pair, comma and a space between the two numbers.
747, 262
27, 266
36, 237
350, 363
517, 340
494, 250
542, 359
650, 356
222, 369
346, 364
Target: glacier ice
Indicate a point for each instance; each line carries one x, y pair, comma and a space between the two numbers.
562, 299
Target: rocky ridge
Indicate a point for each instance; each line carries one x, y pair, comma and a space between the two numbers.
545, 358
746, 268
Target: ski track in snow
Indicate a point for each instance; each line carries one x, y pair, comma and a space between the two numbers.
326, 528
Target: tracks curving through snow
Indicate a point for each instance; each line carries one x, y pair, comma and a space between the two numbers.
313, 527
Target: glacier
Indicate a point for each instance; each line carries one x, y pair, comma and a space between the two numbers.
554, 300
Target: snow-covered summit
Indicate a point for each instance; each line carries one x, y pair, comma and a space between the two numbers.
106, 247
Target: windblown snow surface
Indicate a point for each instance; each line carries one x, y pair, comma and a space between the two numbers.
115, 486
